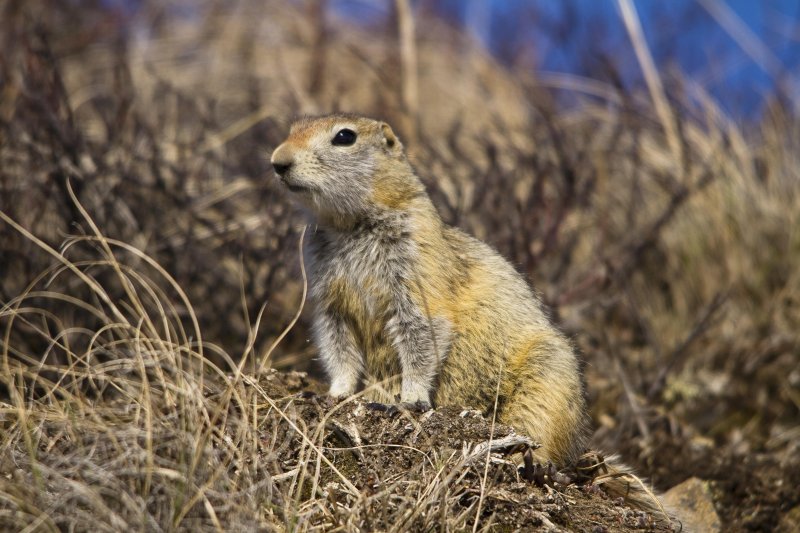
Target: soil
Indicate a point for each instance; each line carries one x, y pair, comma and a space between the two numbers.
384, 450
752, 491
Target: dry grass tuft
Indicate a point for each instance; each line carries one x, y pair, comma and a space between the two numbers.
136, 428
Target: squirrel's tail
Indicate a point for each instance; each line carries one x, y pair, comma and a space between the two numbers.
619, 481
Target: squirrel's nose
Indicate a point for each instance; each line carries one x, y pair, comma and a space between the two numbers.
281, 167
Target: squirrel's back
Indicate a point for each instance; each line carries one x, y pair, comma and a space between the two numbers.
505, 347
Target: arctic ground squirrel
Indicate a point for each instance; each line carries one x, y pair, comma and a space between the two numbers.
430, 314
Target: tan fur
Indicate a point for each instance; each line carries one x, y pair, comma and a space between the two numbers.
401, 295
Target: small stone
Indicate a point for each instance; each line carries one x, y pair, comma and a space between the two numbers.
692, 504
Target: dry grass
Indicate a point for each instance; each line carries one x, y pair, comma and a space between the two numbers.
140, 430
147, 258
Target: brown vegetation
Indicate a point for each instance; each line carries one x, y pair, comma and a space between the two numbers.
148, 262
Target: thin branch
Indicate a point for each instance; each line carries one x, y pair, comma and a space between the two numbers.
651, 77
408, 67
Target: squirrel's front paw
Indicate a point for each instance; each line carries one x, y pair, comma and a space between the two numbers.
388, 408
395, 409
417, 407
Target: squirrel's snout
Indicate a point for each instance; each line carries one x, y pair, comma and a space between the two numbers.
282, 159
281, 167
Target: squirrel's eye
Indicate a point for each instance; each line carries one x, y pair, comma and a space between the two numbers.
344, 137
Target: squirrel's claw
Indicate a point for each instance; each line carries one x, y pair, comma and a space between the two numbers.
395, 409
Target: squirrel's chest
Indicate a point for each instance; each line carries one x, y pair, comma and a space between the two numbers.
359, 296
359, 278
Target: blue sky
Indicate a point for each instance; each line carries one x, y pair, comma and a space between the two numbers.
584, 36
724, 48
581, 36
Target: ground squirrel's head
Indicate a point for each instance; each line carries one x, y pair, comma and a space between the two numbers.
345, 167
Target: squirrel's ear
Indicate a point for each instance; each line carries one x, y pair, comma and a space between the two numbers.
389, 138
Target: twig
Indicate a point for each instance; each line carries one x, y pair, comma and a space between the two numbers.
651, 77
288, 328
636, 410
747, 40
408, 67
488, 447
316, 14
678, 355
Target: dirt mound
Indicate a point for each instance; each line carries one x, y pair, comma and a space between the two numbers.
414, 471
